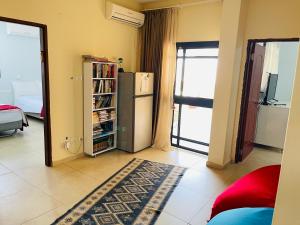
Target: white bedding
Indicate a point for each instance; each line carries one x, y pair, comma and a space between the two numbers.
28, 96
8, 116
30, 104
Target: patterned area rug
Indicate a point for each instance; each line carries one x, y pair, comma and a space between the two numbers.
136, 194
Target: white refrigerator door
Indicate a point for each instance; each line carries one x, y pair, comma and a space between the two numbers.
144, 83
143, 123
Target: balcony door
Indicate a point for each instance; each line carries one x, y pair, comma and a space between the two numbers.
194, 94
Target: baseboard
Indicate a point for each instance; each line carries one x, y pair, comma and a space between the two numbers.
68, 159
216, 166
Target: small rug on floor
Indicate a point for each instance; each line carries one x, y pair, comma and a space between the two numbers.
136, 194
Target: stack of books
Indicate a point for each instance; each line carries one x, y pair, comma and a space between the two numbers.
103, 116
112, 115
97, 131
95, 117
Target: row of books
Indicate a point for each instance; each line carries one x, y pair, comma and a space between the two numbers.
103, 86
102, 101
103, 70
103, 115
103, 128
103, 143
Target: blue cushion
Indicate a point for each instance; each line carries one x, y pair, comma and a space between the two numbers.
244, 216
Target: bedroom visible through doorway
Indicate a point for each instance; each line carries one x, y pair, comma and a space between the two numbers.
266, 98
24, 99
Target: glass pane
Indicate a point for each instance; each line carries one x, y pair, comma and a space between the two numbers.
174, 141
195, 123
194, 146
175, 120
180, 52
178, 76
202, 52
200, 77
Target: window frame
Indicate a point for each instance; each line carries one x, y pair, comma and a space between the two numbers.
192, 101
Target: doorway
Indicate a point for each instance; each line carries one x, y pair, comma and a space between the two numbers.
26, 93
193, 95
267, 89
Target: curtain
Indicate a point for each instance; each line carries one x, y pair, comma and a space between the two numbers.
158, 55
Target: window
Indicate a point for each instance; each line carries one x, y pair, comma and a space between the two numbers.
193, 95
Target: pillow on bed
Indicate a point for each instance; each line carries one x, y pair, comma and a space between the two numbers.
256, 189
244, 216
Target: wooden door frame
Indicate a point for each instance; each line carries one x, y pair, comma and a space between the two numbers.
246, 90
45, 83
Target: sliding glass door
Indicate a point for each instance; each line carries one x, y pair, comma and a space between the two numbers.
193, 95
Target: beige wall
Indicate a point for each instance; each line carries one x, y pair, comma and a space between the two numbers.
75, 27
279, 22
196, 21
282, 21
199, 22
231, 45
273, 18
288, 196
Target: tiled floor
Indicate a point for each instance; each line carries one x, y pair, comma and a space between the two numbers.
31, 193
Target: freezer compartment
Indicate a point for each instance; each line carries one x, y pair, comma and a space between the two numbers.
143, 122
143, 83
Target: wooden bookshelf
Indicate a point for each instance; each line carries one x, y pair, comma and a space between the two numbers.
100, 107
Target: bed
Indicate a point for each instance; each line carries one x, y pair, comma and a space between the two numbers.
12, 119
28, 97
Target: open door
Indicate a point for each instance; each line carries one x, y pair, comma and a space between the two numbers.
250, 102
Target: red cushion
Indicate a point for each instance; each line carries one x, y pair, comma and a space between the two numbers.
7, 107
256, 189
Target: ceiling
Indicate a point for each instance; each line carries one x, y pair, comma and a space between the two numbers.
145, 1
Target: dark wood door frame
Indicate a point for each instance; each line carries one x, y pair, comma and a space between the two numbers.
45, 83
246, 90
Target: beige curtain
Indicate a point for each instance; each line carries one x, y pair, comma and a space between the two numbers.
165, 107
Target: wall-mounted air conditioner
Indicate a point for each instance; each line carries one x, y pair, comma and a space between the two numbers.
125, 15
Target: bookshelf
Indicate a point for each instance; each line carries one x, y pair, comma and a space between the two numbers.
100, 107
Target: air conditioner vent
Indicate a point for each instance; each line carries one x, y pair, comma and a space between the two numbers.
124, 15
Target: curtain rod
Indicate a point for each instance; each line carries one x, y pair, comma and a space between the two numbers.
180, 5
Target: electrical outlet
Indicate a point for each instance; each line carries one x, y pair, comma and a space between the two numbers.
67, 143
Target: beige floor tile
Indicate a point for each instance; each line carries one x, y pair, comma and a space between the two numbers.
3, 170
203, 215
21, 161
266, 155
208, 183
25, 205
185, 203
50, 216
11, 184
70, 188
167, 219
39, 175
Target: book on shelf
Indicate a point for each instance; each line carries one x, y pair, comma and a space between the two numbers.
103, 86
103, 115
103, 143
104, 101
103, 71
103, 128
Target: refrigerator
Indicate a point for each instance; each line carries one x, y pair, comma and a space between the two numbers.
135, 105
